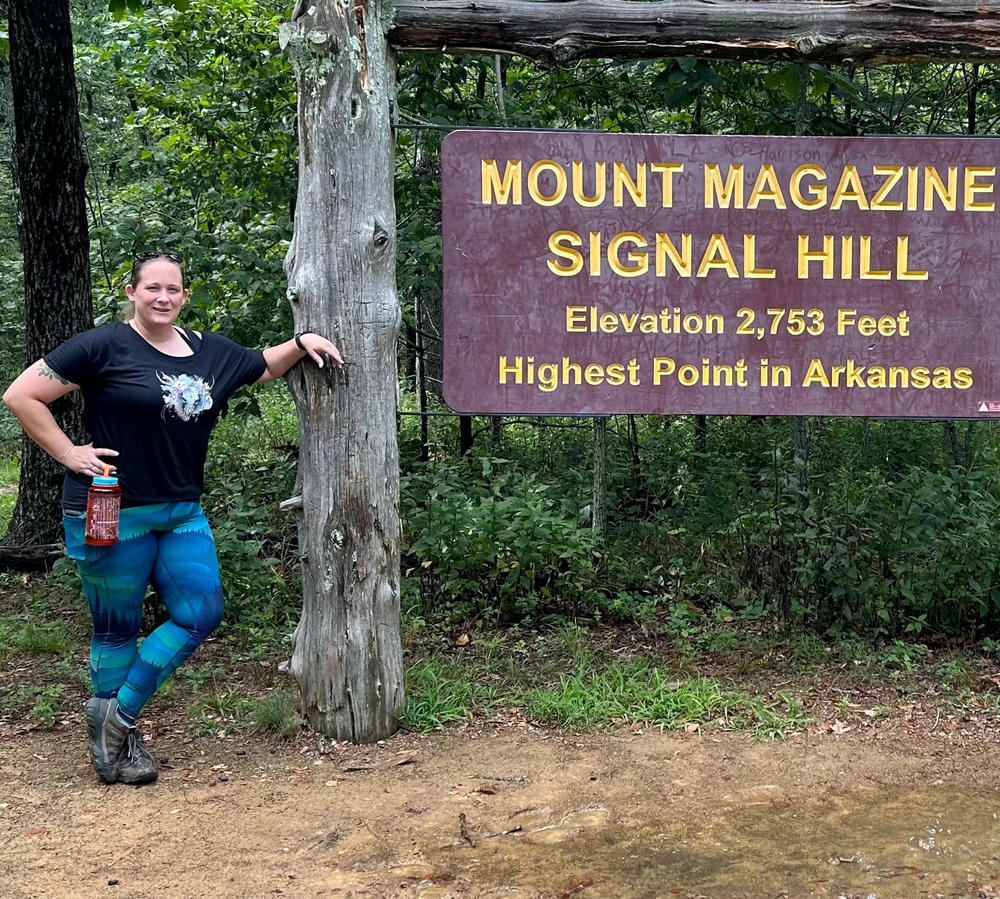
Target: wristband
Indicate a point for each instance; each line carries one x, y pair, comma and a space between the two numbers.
298, 340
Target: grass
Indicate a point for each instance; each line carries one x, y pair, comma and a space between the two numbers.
724, 675
34, 622
217, 711
441, 692
677, 673
9, 476
277, 715
44, 638
638, 692
9, 472
594, 695
239, 706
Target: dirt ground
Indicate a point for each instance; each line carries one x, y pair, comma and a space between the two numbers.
905, 809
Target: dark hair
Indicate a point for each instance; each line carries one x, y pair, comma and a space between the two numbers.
140, 260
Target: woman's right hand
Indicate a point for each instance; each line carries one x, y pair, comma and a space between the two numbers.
86, 460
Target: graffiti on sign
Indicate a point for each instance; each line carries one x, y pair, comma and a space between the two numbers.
591, 273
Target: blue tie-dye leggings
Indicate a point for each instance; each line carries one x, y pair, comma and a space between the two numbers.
168, 546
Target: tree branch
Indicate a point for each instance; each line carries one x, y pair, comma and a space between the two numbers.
29, 558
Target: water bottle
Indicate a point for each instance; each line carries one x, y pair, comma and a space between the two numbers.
104, 504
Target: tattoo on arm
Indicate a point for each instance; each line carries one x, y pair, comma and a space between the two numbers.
45, 372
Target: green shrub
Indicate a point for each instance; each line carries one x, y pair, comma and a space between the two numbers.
501, 543
918, 554
251, 469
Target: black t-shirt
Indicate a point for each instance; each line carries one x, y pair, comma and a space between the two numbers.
156, 410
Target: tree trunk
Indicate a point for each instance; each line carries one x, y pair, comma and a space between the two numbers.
599, 507
639, 490
421, 382
347, 655
701, 434
854, 32
801, 425
52, 226
466, 439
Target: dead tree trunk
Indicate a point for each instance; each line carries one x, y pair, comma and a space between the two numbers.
862, 32
347, 656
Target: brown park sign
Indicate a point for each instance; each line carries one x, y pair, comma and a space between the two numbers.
590, 273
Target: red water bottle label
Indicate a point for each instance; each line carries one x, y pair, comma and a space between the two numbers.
103, 512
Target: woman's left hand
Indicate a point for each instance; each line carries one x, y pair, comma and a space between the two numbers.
319, 348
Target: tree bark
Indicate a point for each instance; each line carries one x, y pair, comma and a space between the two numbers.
701, 434
858, 32
599, 496
52, 226
466, 439
347, 655
800, 424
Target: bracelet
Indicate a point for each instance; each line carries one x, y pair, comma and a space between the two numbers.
298, 340
65, 455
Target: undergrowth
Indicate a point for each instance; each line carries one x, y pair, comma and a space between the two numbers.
882, 546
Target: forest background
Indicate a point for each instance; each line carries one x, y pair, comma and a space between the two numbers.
735, 550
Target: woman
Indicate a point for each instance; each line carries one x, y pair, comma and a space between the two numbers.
152, 393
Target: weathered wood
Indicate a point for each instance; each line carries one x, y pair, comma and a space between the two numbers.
347, 655
859, 32
40, 557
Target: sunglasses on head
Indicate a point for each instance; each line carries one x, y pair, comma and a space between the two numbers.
156, 254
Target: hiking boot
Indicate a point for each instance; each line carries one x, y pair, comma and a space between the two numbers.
136, 764
107, 736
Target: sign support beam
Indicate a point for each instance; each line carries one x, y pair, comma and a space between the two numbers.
852, 32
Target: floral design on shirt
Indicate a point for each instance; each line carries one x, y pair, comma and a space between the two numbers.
187, 396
